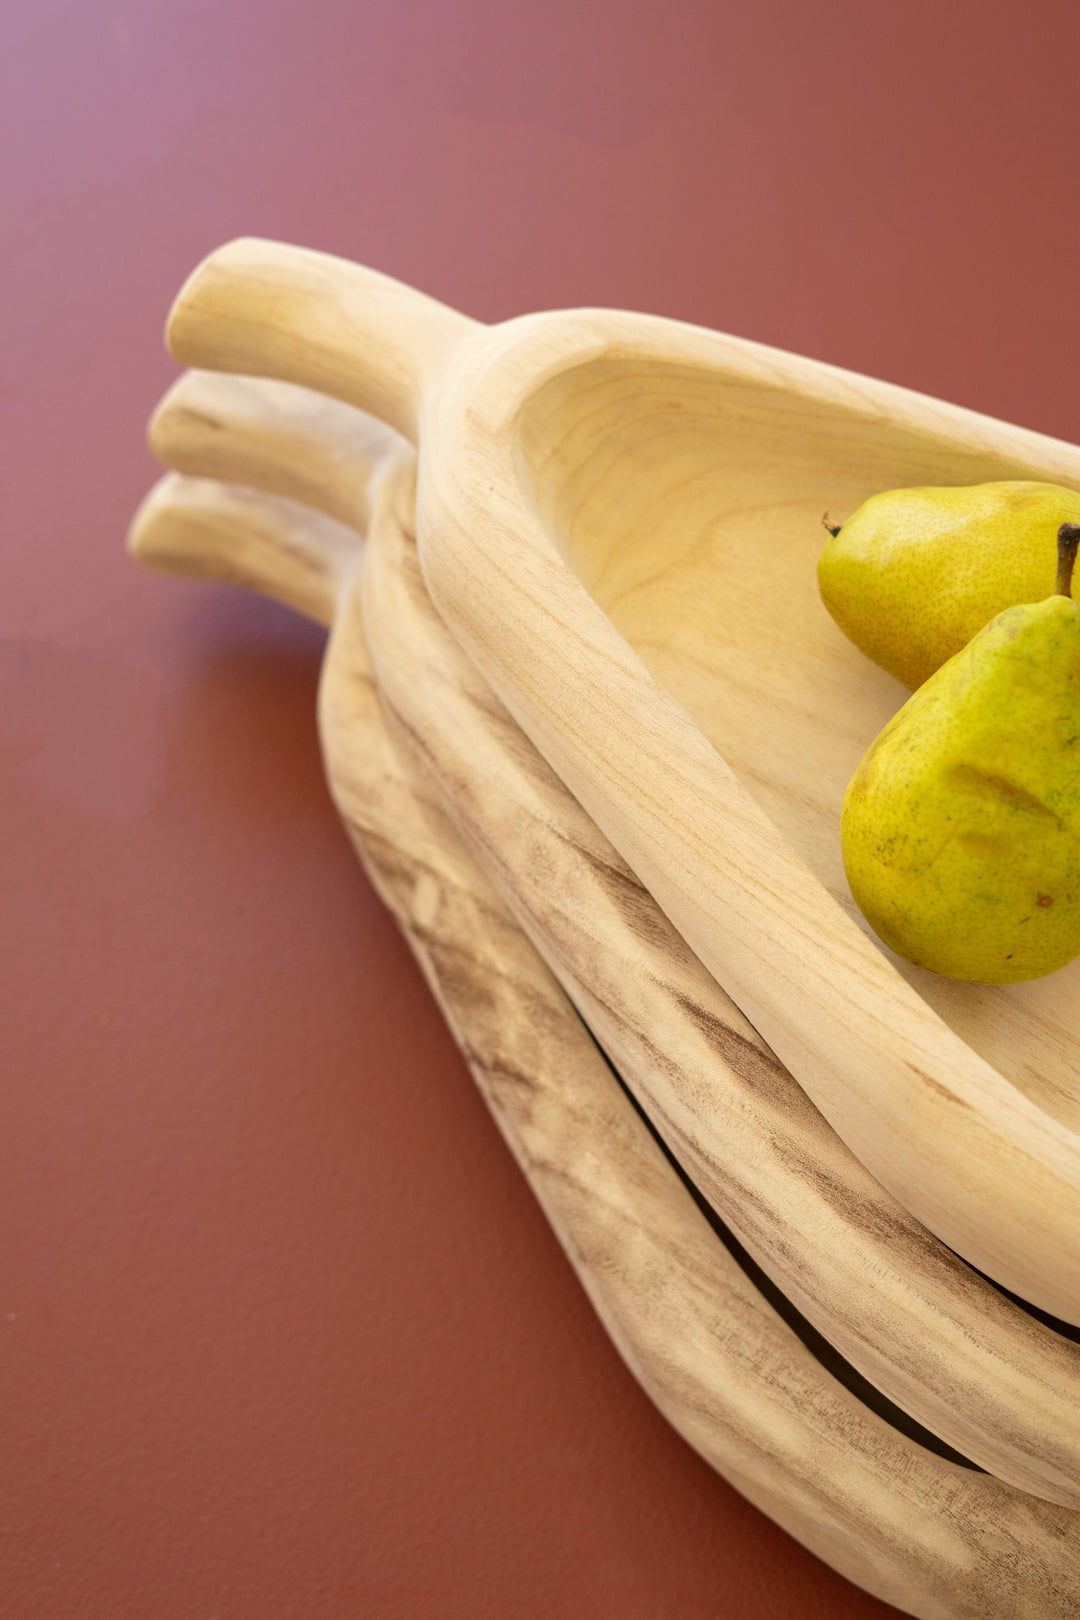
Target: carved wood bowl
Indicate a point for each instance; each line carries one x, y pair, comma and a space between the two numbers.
618, 518
935, 1538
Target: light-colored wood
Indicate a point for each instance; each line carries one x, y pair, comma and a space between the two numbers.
404, 336
288, 441
618, 517
940, 1342
309, 551
938, 1541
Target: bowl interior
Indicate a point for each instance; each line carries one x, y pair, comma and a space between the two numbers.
688, 500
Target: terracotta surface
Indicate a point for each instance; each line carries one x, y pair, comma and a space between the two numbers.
281, 1331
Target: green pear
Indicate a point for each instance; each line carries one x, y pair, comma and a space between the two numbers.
914, 573
960, 829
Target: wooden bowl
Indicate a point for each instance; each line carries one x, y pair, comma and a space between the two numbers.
937, 1340
618, 517
938, 1540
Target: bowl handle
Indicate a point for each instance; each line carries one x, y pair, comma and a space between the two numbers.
268, 309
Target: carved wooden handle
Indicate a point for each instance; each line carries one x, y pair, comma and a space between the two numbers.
269, 309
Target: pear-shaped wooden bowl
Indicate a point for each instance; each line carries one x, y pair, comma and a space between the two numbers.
937, 1540
939, 1341
619, 518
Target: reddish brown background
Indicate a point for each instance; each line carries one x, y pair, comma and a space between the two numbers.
282, 1333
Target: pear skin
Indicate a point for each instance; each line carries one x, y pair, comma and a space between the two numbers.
960, 829
915, 573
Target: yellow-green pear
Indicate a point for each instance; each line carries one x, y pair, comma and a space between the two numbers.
961, 827
914, 573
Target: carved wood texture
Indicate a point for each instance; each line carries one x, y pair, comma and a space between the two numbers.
935, 1539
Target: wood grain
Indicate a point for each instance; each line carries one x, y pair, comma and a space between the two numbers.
586, 479
936, 1540
289, 441
943, 1344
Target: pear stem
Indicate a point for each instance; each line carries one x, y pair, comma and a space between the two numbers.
1068, 540
833, 528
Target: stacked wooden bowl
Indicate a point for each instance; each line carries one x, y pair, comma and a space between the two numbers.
589, 727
